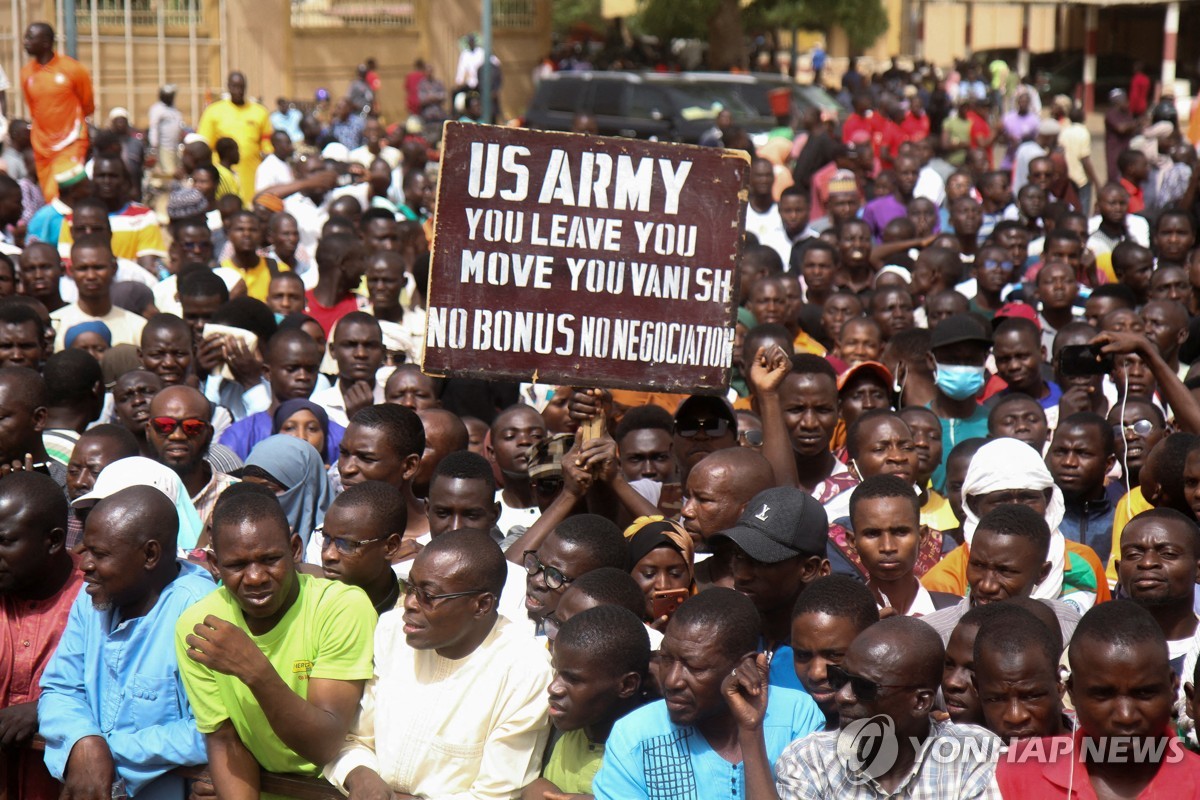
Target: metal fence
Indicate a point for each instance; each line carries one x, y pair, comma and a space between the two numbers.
353, 14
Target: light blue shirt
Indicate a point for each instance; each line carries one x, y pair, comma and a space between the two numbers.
241, 402
648, 756
119, 679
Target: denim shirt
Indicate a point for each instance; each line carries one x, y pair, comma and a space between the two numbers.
119, 679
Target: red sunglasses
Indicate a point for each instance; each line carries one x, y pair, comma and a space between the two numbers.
192, 426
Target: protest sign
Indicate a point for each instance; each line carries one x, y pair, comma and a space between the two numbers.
584, 260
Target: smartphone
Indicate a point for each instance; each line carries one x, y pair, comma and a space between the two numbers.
663, 603
1084, 359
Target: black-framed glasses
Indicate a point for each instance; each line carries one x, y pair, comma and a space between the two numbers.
690, 428
1142, 427
551, 626
864, 689
346, 547
555, 579
427, 600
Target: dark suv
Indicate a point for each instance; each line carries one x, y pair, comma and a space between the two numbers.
671, 107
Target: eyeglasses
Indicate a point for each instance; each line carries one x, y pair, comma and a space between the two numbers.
865, 689
427, 600
551, 626
555, 579
1142, 427
751, 438
688, 429
346, 547
192, 426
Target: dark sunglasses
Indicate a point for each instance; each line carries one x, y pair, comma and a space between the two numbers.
751, 438
192, 426
865, 689
555, 579
688, 429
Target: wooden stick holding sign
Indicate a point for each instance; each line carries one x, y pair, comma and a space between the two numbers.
588, 261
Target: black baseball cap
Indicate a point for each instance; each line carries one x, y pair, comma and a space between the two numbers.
780, 523
959, 328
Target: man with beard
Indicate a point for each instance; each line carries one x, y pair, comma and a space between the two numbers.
112, 710
180, 430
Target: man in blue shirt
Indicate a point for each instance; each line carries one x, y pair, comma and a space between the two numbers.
688, 745
113, 710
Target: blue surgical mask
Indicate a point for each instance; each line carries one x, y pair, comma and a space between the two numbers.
958, 381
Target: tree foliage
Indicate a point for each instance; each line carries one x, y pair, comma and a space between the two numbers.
568, 13
864, 21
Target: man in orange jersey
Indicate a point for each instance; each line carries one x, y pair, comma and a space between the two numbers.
58, 93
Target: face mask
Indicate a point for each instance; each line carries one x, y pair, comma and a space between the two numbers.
959, 382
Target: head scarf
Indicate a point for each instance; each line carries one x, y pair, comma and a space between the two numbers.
141, 471
295, 465
651, 532
1006, 464
290, 407
91, 326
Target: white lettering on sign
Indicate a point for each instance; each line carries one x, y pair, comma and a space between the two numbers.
591, 182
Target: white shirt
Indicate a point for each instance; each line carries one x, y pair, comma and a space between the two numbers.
761, 223
166, 293
473, 727
362, 155
469, 64
510, 516
922, 604
125, 326
930, 186
1099, 242
335, 405
271, 172
127, 271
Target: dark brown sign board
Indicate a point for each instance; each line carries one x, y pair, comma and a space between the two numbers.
583, 260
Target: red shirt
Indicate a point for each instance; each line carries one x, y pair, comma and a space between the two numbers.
856, 126
1137, 198
889, 139
1139, 94
915, 128
1045, 778
29, 634
326, 316
981, 133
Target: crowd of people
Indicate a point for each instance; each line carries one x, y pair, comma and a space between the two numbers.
952, 492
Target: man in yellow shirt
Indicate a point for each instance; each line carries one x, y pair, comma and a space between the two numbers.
245, 235
246, 123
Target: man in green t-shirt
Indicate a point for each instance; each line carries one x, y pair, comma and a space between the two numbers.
274, 662
601, 659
